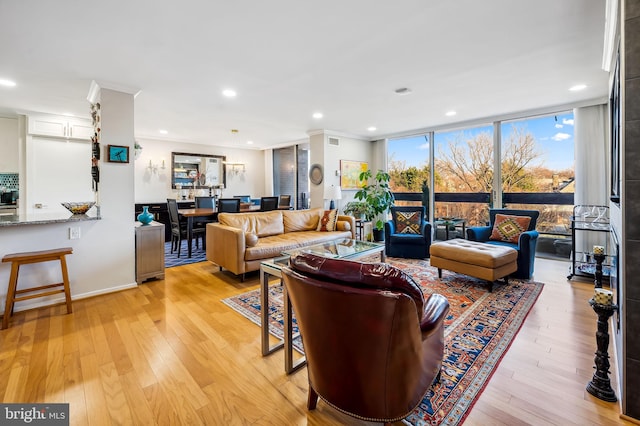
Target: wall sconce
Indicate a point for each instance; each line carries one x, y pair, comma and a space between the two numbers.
235, 168
153, 168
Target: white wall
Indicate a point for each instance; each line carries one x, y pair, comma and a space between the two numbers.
104, 257
153, 186
329, 156
9, 162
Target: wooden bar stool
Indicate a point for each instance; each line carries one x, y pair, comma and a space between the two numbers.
18, 259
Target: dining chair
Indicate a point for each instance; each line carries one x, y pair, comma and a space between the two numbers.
179, 228
284, 201
268, 204
204, 203
229, 205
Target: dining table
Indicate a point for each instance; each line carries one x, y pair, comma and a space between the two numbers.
190, 214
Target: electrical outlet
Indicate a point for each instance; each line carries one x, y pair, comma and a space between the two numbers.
74, 233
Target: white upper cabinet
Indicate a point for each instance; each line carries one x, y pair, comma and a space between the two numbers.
60, 127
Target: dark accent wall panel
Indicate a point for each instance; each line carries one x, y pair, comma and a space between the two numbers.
631, 209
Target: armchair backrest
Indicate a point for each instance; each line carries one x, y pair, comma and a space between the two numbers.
360, 325
405, 215
533, 214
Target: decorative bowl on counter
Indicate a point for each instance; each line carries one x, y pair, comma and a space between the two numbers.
79, 207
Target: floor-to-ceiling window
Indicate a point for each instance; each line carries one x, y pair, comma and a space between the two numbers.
408, 160
520, 164
537, 162
464, 170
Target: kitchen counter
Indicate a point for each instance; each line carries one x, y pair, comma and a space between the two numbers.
43, 218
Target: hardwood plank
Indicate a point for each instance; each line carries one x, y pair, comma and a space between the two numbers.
170, 352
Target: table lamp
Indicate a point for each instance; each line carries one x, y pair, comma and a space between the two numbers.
332, 193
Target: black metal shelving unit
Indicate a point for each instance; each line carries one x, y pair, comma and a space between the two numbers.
589, 218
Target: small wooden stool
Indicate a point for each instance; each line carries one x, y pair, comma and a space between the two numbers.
18, 259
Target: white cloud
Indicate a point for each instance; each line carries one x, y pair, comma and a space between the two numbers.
561, 136
568, 122
559, 126
424, 146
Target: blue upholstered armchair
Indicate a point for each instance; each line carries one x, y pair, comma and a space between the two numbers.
526, 245
407, 234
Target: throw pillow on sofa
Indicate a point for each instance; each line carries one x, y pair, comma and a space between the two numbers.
508, 228
250, 239
328, 219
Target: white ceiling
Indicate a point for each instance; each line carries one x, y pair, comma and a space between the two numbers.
290, 58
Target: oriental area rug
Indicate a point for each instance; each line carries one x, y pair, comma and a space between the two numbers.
478, 331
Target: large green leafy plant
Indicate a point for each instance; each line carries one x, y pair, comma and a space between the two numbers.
377, 194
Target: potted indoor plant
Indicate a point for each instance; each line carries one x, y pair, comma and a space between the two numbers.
377, 194
357, 209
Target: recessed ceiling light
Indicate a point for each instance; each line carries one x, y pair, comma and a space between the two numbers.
372, 129
317, 115
249, 142
578, 87
163, 132
229, 93
7, 83
403, 91
450, 113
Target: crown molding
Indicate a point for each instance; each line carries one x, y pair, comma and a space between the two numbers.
94, 89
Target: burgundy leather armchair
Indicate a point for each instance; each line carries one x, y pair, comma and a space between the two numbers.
373, 344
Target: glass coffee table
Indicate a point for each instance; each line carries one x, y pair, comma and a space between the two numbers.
343, 248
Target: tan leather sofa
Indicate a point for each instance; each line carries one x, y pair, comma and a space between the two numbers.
238, 242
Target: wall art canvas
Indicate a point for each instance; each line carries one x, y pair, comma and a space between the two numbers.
350, 174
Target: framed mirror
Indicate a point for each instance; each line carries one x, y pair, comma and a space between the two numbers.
198, 171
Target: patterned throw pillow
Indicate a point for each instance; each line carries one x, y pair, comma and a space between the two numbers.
327, 222
508, 228
408, 222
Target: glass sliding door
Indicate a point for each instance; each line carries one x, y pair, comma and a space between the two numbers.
291, 174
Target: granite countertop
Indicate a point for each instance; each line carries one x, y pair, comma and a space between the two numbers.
43, 218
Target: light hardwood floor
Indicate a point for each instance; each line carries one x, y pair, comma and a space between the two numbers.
169, 352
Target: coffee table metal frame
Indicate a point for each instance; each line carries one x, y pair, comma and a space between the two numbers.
273, 268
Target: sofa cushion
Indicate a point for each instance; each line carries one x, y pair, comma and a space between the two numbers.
274, 245
508, 227
263, 224
327, 221
301, 220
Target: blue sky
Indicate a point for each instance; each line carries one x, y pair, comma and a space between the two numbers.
554, 135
